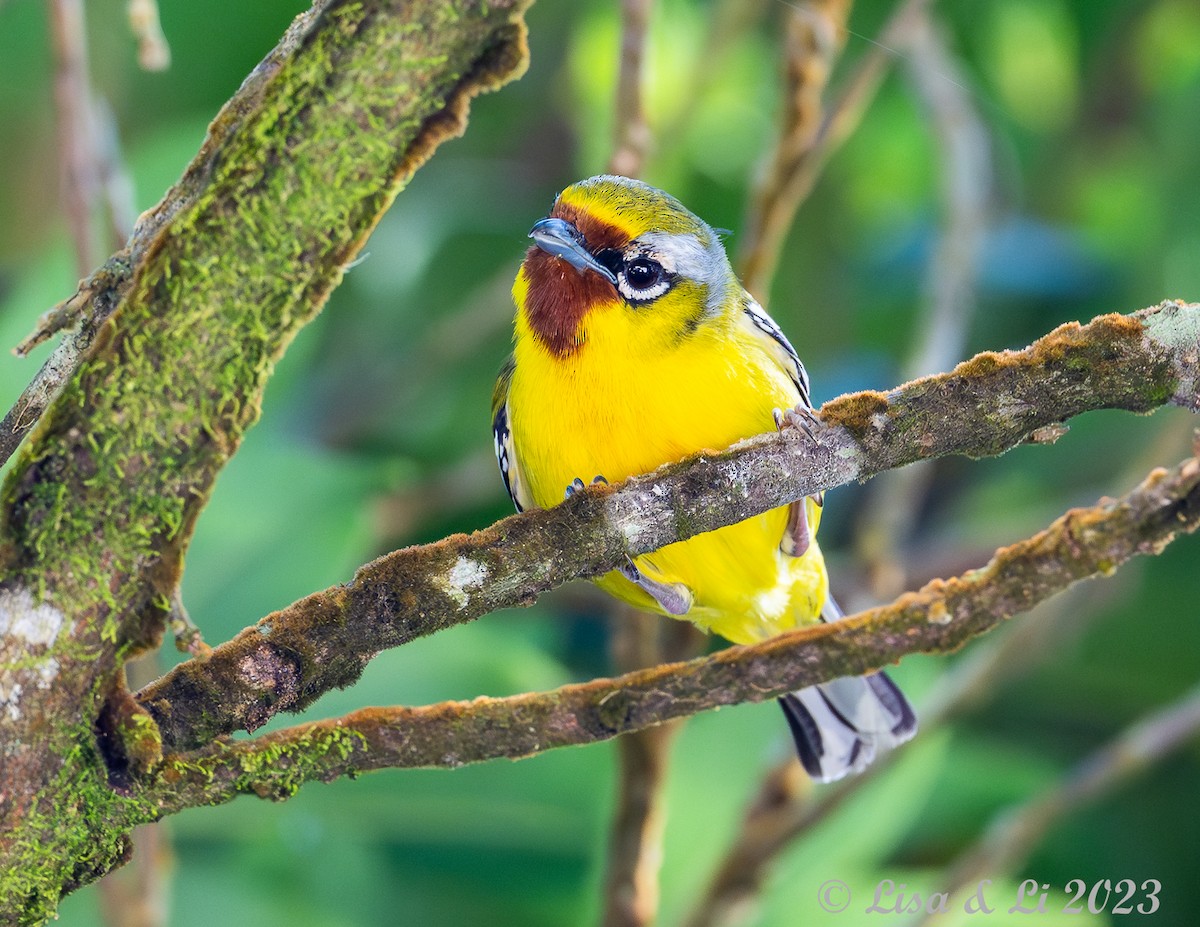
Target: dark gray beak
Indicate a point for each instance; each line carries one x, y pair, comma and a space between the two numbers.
562, 239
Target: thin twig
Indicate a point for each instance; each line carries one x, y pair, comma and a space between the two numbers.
966, 188
966, 182
982, 407
940, 618
781, 193
113, 176
1017, 831
631, 133
91, 169
816, 32
89, 306
635, 846
89, 301
72, 101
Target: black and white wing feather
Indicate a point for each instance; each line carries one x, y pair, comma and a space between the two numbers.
502, 436
755, 319
776, 344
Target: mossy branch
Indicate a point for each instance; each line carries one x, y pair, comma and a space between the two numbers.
150, 397
984, 406
939, 618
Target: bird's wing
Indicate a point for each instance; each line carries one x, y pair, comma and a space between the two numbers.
754, 317
502, 435
801, 524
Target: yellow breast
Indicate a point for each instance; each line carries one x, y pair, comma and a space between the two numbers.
633, 397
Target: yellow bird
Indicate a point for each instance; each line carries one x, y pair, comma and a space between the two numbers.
635, 345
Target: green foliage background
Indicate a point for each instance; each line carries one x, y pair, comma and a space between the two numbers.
375, 434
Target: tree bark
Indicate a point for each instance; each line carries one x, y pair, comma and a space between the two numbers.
214, 284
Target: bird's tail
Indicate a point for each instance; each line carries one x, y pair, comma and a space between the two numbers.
839, 726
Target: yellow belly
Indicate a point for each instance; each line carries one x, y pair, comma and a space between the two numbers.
616, 412
745, 589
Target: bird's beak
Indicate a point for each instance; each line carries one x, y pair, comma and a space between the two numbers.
561, 239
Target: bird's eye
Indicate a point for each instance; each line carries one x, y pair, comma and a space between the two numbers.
640, 279
643, 273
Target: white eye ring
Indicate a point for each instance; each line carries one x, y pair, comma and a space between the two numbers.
642, 294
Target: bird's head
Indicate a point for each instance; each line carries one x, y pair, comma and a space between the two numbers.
615, 245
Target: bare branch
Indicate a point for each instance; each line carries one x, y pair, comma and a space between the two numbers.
631, 887
782, 193
983, 407
966, 182
939, 618
630, 132
816, 31
76, 132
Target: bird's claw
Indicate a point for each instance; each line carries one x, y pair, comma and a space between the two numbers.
577, 485
797, 536
673, 598
801, 417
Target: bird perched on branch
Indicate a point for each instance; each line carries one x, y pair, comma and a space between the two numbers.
635, 345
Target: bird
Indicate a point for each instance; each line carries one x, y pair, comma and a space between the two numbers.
635, 345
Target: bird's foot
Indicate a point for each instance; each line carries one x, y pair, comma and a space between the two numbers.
577, 485
797, 536
801, 417
672, 598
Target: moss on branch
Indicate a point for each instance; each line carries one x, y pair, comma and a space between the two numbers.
216, 281
941, 617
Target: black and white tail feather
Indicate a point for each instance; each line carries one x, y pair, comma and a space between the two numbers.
840, 726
